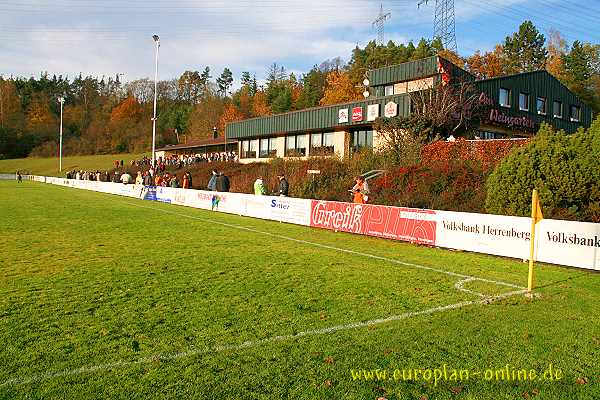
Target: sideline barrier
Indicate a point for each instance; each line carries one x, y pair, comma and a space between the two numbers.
569, 243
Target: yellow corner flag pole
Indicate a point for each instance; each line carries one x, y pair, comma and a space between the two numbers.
536, 216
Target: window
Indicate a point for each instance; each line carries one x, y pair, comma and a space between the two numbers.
362, 139
557, 110
575, 113
504, 97
268, 148
389, 90
540, 105
321, 144
523, 101
295, 145
249, 148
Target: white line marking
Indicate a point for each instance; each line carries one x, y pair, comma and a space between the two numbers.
250, 344
329, 247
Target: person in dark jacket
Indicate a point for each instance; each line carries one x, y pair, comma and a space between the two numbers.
284, 187
222, 183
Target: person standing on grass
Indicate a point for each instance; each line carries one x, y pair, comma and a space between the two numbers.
360, 191
19, 177
222, 184
259, 187
284, 186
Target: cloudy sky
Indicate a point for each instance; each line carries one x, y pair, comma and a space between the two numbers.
114, 36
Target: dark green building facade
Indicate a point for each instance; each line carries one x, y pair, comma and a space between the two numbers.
513, 106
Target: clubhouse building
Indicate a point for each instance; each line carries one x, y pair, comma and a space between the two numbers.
514, 106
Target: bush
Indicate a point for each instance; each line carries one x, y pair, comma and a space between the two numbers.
453, 185
564, 169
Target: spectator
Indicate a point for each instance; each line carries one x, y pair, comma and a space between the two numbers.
360, 191
185, 181
174, 182
212, 183
222, 184
125, 178
283, 186
189, 176
116, 177
259, 187
106, 177
148, 179
157, 180
138, 179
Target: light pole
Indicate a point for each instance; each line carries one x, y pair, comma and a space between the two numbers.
61, 100
157, 41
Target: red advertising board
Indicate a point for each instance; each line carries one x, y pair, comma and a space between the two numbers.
407, 224
357, 114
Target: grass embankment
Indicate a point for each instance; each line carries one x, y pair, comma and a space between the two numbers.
49, 166
148, 297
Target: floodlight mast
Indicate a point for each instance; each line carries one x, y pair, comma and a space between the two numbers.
157, 41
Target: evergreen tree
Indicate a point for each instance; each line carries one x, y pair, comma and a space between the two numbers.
225, 81
524, 51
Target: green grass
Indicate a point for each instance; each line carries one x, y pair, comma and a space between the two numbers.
49, 166
89, 279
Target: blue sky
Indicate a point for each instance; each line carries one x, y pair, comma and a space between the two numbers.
114, 36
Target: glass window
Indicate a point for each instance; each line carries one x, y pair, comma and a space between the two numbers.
316, 140
252, 148
362, 139
389, 90
321, 144
244, 146
504, 97
272, 147
523, 102
301, 144
557, 109
268, 148
290, 145
575, 113
541, 105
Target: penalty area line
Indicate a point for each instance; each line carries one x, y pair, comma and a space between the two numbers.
251, 343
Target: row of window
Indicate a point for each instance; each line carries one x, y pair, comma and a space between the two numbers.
540, 105
295, 146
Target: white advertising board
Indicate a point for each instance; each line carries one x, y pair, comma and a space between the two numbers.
484, 233
576, 244
569, 243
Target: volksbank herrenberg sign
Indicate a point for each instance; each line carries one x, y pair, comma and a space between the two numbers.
569, 243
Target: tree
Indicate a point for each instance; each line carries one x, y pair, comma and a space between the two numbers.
487, 66
225, 81
557, 49
313, 88
190, 86
524, 50
260, 106
230, 114
582, 68
339, 89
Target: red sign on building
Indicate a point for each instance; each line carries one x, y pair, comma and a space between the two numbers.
357, 114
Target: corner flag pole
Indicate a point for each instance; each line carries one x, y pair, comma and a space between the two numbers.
536, 216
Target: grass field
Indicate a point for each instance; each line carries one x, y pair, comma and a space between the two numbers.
49, 166
116, 298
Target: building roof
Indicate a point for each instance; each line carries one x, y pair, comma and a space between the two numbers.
193, 144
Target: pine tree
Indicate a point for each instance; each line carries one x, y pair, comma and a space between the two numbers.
524, 51
225, 81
